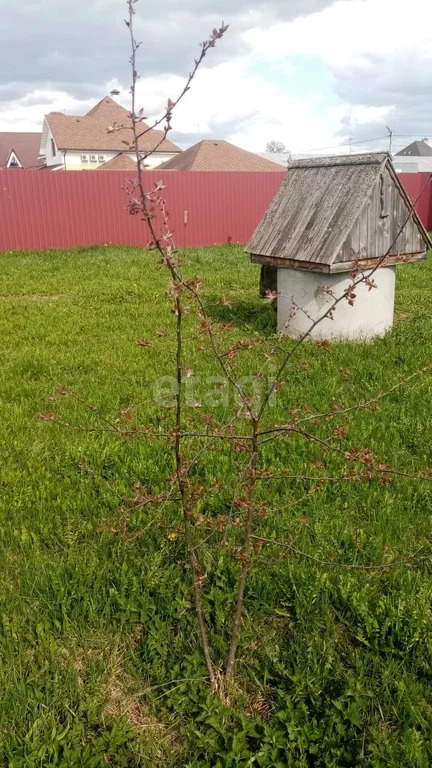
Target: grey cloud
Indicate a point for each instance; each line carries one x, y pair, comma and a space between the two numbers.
85, 42
32, 93
401, 80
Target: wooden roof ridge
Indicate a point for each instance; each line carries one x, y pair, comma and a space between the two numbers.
338, 161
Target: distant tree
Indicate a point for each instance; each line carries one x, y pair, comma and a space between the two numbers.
276, 146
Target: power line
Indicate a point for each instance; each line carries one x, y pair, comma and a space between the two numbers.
351, 142
344, 144
366, 141
354, 142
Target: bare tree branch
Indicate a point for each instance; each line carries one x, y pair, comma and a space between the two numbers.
407, 561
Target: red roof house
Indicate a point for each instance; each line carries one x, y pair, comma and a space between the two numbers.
88, 141
218, 155
121, 162
20, 150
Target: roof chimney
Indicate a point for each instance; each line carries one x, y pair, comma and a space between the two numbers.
425, 141
115, 93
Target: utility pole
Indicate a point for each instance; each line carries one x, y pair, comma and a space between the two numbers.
390, 133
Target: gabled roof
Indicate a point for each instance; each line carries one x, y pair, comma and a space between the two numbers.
209, 155
90, 132
108, 110
332, 211
416, 149
121, 162
24, 145
13, 160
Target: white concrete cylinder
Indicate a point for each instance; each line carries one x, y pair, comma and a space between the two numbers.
302, 300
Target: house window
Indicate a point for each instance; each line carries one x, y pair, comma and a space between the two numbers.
13, 161
53, 148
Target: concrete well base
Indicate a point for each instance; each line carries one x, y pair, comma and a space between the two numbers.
371, 315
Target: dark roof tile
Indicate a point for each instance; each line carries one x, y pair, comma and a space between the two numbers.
416, 149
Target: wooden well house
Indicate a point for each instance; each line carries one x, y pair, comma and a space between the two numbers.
330, 215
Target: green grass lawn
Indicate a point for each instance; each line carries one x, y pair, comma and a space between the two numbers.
99, 662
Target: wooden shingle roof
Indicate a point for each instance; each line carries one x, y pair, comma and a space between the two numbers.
333, 211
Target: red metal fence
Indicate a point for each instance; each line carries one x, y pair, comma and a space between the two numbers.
417, 184
42, 210
58, 209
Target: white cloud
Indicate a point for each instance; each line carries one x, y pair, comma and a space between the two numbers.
26, 113
348, 31
375, 53
226, 101
364, 115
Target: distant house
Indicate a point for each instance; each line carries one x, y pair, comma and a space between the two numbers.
86, 142
415, 158
20, 150
218, 155
120, 162
416, 149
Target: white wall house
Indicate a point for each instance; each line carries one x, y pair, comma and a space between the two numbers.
84, 143
88, 159
53, 155
406, 164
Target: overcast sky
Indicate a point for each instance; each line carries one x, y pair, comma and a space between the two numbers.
309, 73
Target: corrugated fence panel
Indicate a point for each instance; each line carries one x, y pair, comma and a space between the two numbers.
57, 209
417, 184
42, 209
